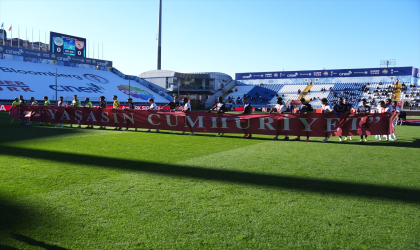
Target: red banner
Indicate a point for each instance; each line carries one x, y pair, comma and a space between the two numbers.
5, 107
312, 124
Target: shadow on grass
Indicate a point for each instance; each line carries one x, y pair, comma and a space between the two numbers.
12, 216
32, 242
16, 134
273, 181
4, 247
15, 217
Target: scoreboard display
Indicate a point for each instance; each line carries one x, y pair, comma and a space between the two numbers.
67, 45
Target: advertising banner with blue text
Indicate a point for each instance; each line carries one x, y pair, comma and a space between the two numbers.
396, 71
51, 56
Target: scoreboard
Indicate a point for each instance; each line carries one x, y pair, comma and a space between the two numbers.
67, 45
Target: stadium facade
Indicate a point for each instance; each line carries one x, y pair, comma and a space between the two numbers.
173, 81
198, 86
358, 75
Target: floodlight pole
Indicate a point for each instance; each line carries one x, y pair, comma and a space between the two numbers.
159, 36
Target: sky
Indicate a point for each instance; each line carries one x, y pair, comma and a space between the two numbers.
230, 36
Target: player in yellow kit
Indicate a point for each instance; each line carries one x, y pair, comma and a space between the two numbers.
116, 105
76, 103
46, 103
88, 105
15, 103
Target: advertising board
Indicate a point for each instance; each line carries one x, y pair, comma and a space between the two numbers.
67, 45
38, 80
7, 50
396, 71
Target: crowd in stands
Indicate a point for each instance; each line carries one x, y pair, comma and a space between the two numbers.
253, 99
412, 105
373, 92
412, 93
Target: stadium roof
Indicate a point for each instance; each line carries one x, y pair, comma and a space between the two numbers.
195, 75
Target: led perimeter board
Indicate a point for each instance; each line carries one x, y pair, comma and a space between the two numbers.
67, 45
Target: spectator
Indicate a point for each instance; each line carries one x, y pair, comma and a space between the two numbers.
247, 111
116, 105
304, 108
326, 109
363, 109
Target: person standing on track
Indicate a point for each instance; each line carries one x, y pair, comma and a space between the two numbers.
220, 107
32, 102
116, 105
60, 104
326, 109
102, 105
173, 106
22, 103
348, 108
152, 107
281, 108
187, 107
130, 106
304, 108
395, 122
340, 108
15, 103
88, 105
76, 104
46, 104
381, 109
363, 109
247, 111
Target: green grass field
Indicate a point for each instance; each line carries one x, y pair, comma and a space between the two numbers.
63, 188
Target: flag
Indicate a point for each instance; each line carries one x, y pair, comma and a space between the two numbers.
10, 28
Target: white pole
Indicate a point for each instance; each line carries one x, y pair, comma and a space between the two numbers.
18, 36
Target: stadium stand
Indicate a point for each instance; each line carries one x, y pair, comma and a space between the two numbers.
155, 88
371, 91
239, 92
38, 80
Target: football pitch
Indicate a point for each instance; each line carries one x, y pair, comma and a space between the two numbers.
70, 188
